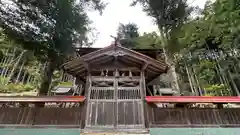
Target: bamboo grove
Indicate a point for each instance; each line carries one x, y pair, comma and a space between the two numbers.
21, 71
201, 45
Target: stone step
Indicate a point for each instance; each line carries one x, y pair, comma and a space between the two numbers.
115, 132
109, 133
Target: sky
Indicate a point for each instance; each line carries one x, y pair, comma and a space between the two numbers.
119, 11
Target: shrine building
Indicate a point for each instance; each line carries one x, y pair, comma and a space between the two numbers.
115, 96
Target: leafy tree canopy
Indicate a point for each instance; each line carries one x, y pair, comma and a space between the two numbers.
49, 28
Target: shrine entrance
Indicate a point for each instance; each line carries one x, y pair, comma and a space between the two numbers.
115, 81
115, 101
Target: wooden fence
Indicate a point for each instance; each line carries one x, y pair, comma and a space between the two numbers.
42, 117
73, 115
193, 117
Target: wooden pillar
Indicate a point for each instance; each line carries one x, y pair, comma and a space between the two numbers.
143, 95
87, 95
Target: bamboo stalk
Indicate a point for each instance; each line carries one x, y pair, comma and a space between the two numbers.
15, 66
24, 76
19, 73
9, 62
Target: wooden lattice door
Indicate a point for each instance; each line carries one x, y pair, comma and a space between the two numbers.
115, 102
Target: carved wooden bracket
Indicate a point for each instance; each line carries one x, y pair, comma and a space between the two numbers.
115, 53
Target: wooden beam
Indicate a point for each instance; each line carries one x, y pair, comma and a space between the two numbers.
95, 56
157, 70
139, 56
34, 99
128, 62
99, 68
144, 66
89, 55
129, 58
76, 64
73, 63
79, 71
101, 60
86, 65
193, 99
77, 68
98, 53
110, 79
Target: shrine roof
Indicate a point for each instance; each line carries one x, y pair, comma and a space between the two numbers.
93, 58
153, 53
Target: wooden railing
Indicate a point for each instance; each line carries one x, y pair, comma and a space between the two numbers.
193, 99
53, 111
193, 117
71, 112
187, 116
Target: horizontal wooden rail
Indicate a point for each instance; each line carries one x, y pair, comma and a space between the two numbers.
192, 99
35, 99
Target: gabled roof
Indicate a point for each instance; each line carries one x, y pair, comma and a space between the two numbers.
78, 66
151, 52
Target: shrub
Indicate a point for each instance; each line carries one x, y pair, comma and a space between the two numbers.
16, 88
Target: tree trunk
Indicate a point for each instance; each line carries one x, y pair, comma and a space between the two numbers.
172, 70
47, 78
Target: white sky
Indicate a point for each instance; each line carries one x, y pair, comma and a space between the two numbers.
119, 11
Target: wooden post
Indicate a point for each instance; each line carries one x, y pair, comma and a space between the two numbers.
87, 95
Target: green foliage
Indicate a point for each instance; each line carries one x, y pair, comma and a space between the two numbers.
169, 15
49, 28
207, 72
147, 41
216, 90
16, 88
65, 84
1, 55
213, 42
130, 37
204, 49
127, 33
3, 80
220, 22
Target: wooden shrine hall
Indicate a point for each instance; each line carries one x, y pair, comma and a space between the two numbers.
115, 81
113, 96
